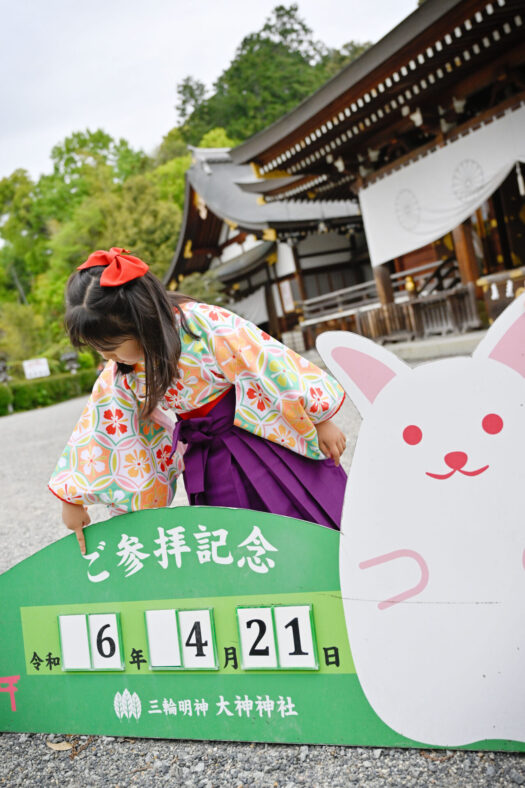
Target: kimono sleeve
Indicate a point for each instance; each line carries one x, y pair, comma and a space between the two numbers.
280, 395
115, 457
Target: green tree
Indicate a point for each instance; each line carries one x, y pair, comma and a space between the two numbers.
8, 289
287, 28
86, 150
273, 70
203, 287
144, 223
334, 60
23, 229
169, 179
101, 193
217, 138
263, 82
127, 162
191, 95
84, 163
22, 331
172, 146
132, 216
75, 239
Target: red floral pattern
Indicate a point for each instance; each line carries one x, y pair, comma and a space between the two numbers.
172, 396
319, 400
114, 419
163, 456
258, 396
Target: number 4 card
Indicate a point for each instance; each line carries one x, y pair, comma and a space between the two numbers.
198, 639
182, 639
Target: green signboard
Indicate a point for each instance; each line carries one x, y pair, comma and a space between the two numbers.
193, 623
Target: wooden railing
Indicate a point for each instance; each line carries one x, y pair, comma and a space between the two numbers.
451, 311
428, 300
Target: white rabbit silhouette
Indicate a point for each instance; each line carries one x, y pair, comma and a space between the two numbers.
432, 561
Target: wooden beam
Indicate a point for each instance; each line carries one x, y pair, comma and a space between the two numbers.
206, 250
237, 239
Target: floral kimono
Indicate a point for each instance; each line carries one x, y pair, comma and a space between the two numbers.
118, 458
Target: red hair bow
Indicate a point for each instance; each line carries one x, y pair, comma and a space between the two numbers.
121, 266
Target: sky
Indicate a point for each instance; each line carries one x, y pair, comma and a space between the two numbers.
67, 65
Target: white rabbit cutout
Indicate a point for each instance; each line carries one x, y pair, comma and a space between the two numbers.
432, 561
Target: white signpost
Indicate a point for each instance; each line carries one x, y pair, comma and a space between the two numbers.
36, 368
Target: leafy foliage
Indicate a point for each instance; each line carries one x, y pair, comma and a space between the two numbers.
172, 146
144, 223
273, 70
217, 138
191, 93
336, 59
203, 287
102, 193
6, 399
169, 179
28, 394
22, 331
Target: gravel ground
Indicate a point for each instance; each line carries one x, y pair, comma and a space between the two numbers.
29, 446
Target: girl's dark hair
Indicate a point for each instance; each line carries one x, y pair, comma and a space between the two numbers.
103, 317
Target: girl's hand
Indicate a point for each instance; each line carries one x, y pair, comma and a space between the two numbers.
332, 441
75, 517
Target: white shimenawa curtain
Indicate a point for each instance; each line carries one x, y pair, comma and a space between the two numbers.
425, 200
252, 308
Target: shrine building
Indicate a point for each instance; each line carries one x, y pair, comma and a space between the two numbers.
426, 132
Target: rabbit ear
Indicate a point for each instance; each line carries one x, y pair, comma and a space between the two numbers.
362, 367
505, 339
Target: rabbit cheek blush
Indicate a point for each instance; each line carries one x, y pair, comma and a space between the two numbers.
412, 435
492, 423
432, 545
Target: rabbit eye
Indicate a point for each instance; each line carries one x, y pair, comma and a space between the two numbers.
492, 423
412, 435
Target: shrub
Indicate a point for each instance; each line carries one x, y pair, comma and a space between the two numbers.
85, 359
86, 378
6, 398
37, 393
15, 369
55, 367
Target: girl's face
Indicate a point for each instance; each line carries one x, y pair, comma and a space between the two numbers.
126, 352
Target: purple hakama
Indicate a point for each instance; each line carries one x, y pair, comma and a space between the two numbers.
228, 466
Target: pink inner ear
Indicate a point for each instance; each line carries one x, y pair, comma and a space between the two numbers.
510, 350
368, 374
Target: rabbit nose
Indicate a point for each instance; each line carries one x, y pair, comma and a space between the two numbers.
456, 459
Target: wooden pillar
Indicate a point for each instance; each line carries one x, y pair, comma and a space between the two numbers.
272, 277
465, 255
273, 320
385, 290
298, 273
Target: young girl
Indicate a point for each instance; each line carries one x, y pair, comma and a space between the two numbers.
253, 425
